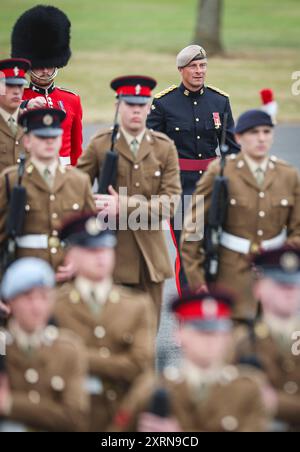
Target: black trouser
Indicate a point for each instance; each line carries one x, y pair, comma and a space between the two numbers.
188, 181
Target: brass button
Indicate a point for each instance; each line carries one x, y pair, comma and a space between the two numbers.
31, 376
233, 202
52, 197
195, 103
137, 184
197, 119
260, 233
200, 172
18, 161
57, 383
200, 155
51, 333
198, 137
53, 251
55, 233
53, 242
99, 332
229, 423
54, 216
262, 195
177, 129
75, 206
136, 167
254, 248
74, 296
157, 173
27, 207
262, 214
17, 143
262, 331
284, 202
34, 397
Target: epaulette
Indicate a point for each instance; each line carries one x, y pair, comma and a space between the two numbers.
277, 161
67, 90
103, 132
217, 90
10, 170
160, 135
165, 91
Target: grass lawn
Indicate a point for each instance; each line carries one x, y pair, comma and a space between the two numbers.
110, 38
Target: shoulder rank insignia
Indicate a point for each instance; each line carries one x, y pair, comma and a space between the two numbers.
165, 91
217, 90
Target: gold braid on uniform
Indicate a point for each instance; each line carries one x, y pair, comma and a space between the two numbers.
217, 90
165, 91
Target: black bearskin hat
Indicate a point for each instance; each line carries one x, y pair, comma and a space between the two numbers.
42, 35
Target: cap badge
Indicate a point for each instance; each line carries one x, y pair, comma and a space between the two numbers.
210, 308
47, 120
16, 71
138, 90
289, 262
186, 92
92, 226
217, 120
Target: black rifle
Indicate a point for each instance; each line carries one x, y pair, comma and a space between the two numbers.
2, 365
108, 172
160, 403
217, 213
16, 217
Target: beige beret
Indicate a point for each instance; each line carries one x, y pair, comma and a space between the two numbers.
186, 55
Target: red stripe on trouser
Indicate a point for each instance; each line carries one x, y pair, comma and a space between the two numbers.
177, 262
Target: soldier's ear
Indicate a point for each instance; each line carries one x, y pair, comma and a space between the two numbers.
26, 141
238, 138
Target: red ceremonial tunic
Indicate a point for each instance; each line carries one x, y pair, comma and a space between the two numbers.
69, 102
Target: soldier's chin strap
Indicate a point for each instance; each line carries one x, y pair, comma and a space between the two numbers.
42, 79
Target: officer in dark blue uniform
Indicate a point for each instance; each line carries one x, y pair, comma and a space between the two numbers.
192, 115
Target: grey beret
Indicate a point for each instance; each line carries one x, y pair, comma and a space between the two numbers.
26, 274
188, 54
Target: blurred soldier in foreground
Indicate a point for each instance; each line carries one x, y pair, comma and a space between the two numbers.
117, 325
45, 367
42, 35
52, 192
275, 339
192, 115
205, 394
263, 212
148, 170
12, 82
